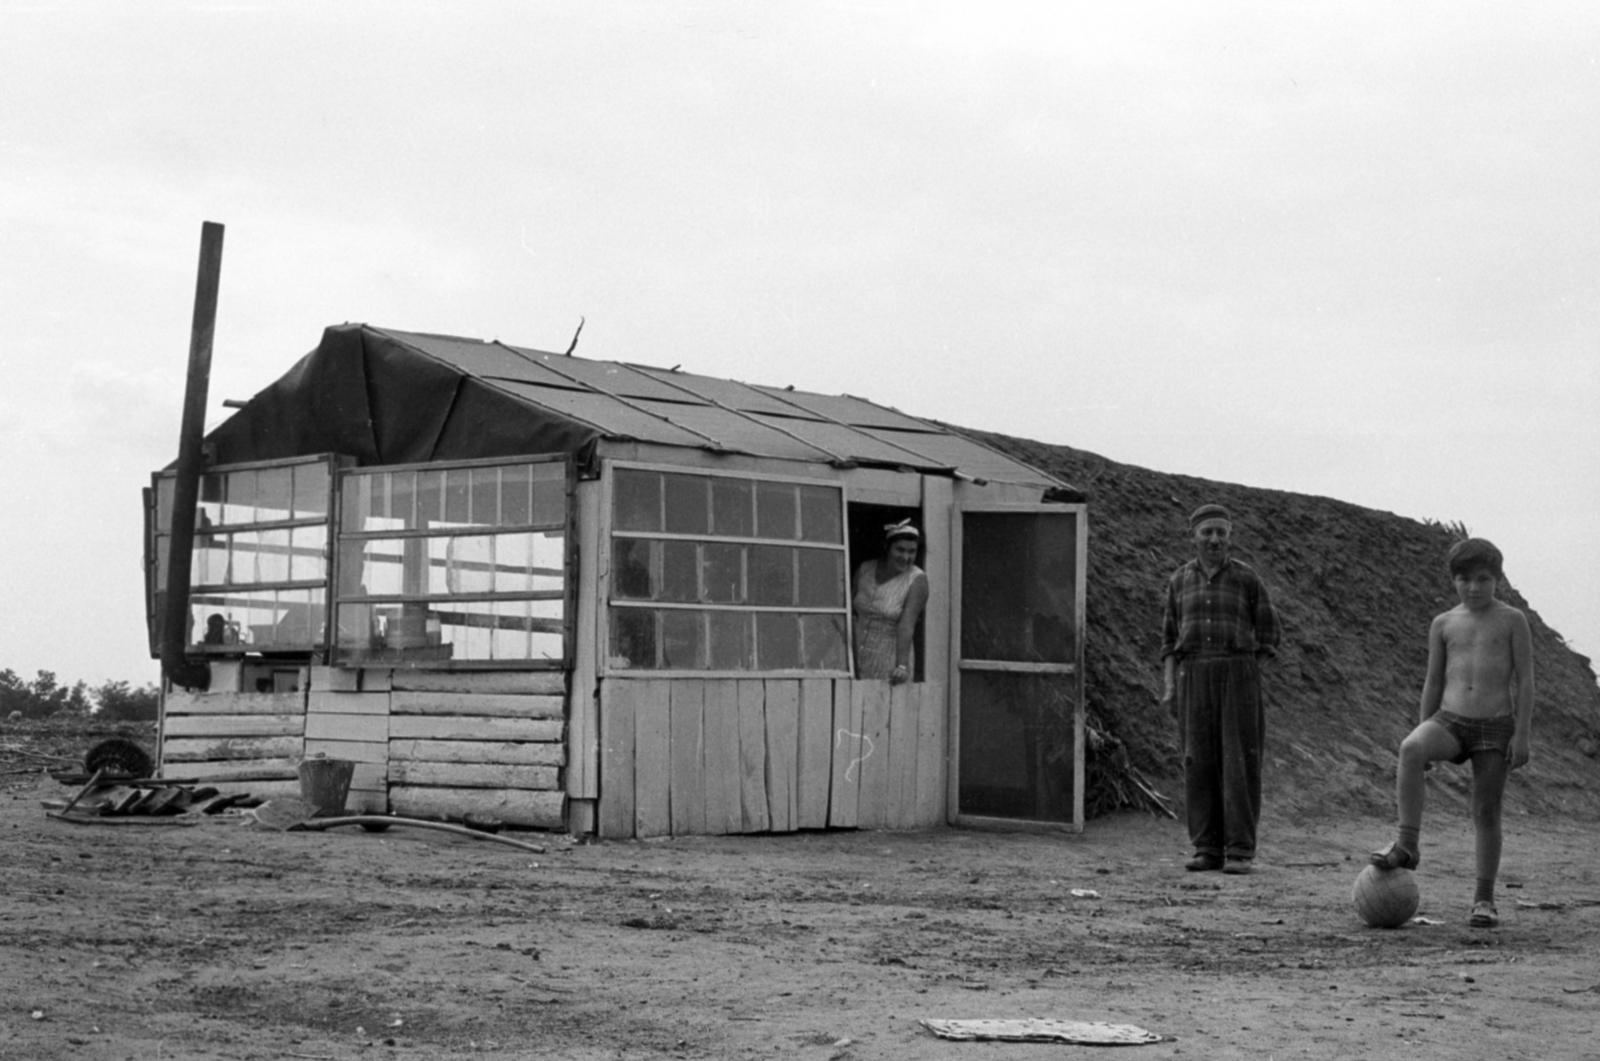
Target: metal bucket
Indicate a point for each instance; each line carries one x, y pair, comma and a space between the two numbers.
325, 784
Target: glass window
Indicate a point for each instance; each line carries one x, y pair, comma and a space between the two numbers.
459, 562
259, 567
719, 573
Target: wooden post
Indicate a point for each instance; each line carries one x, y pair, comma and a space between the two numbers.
179, 669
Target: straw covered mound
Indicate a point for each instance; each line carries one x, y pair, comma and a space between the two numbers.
1356, 589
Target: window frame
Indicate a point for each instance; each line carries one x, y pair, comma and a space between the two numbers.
566, 594
607, 535
159, 528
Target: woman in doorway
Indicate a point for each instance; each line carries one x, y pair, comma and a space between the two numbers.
890, 594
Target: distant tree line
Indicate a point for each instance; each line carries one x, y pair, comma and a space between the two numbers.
46, 696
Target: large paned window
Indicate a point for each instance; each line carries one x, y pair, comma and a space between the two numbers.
259, 576
716, 573
453, 562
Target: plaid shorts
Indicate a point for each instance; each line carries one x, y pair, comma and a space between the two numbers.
1477, 734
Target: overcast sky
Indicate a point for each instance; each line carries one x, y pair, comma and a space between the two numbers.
1340, 249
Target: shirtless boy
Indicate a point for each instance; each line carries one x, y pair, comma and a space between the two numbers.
1477, 704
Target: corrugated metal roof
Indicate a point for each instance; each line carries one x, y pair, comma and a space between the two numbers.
674, 408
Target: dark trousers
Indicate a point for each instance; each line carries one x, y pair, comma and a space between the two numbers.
1224, 727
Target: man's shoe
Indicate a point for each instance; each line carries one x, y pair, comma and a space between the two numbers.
1203, 863
1239, 865
1484, 915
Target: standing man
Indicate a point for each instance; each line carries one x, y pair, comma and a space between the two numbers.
1217, 626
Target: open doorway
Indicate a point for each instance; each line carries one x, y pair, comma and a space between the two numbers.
866, 524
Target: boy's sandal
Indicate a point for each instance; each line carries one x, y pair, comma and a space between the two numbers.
1484, 915
1396, 857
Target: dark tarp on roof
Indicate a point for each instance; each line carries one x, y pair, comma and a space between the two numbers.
388, 397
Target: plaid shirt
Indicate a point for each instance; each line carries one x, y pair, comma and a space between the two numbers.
1228, 612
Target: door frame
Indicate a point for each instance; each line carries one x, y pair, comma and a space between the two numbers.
1080, 512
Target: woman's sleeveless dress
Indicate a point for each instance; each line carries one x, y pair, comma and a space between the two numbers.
878, 608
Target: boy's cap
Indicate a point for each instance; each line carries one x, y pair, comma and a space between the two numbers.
1205, 512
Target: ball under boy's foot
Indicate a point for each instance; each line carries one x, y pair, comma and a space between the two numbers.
1202, 863
1239, 865
1484, 915
1396, 857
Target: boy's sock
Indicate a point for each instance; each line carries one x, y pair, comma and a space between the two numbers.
1485, 892
1411, 839
1404, 853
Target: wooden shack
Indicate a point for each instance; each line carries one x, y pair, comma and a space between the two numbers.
615, 600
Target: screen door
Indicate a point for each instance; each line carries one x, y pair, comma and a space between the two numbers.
1019, 657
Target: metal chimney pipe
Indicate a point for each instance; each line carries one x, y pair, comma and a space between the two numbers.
175, 663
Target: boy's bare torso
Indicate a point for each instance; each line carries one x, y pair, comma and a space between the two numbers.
1478, 665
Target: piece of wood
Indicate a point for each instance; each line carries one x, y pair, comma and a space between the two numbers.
721, 720
89, 786
334, 679
938, 501
501, 705
233, 725
179, 702
652, 760
783, 740
873, 810
513, 753
200, 749
327, 702
583, 740
617, 728
358, 728
227, 676
353, 750
531, 682
473, 775
437, 727
84, 819
540, 810
904, 701
813, 769
245, 770
844, 796
687, 798
215, 804
376, 680
753, 756
930, 795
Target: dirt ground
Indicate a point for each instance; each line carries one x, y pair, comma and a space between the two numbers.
221, 940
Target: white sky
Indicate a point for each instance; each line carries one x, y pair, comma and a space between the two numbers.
1334, 248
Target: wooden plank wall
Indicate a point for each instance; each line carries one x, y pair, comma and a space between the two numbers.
485, 742
717, 756
238, 741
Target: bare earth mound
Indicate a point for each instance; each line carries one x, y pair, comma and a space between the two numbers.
1356, 589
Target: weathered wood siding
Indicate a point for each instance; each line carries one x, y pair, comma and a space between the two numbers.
425, 744
716, 756
485, 742
237, 741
